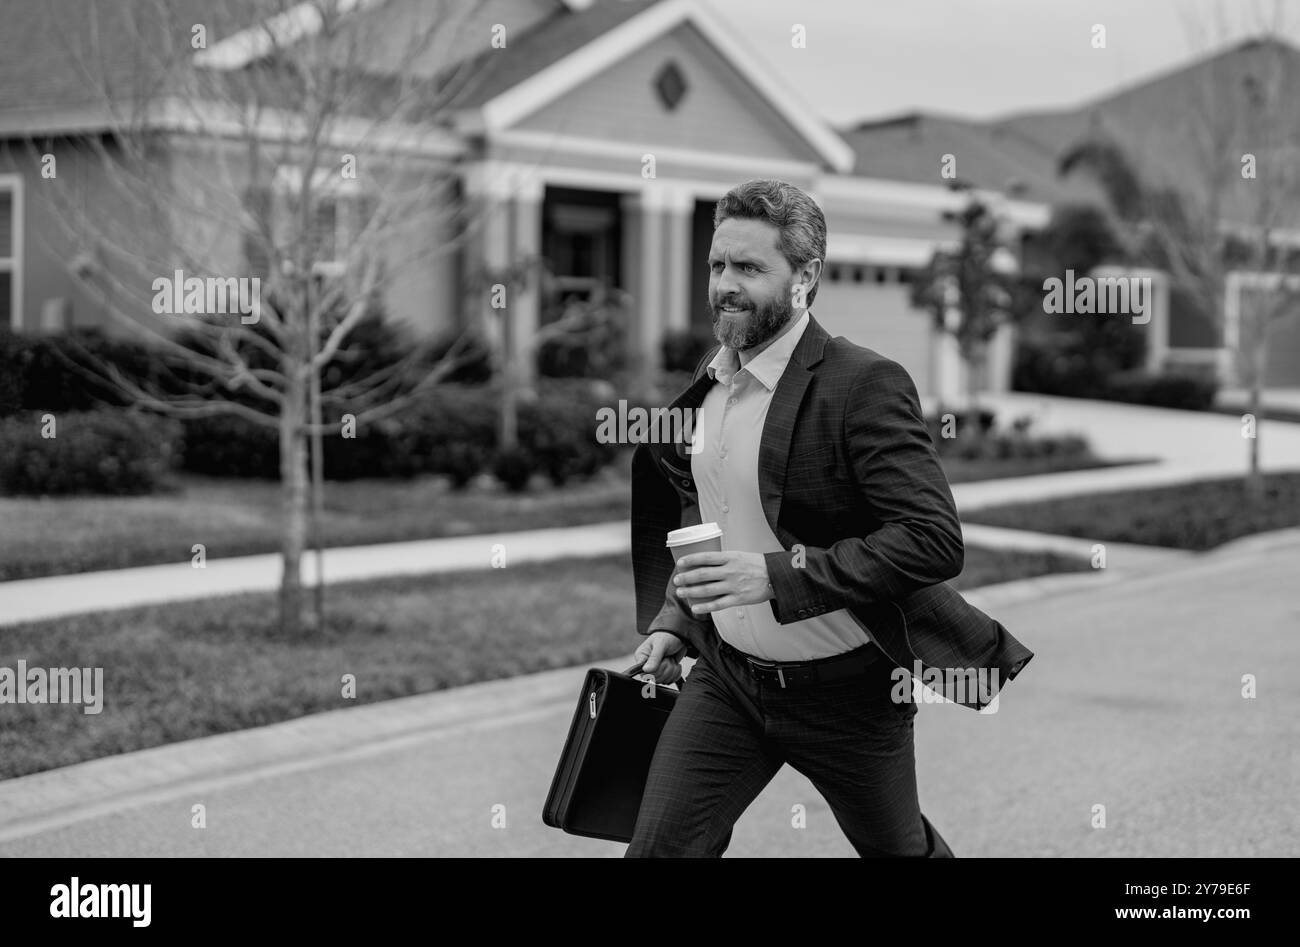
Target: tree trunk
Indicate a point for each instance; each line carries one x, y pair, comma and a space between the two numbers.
974, 375
508, 422
1254, 477
293, 491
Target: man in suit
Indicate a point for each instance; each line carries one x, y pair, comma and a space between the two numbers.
839, 533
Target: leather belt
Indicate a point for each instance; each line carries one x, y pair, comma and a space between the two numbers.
787, 674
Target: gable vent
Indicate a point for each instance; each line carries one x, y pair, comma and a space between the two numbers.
671, 86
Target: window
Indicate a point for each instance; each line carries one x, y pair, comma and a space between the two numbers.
341, 212
11, 250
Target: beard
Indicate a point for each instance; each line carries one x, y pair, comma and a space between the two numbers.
765, 319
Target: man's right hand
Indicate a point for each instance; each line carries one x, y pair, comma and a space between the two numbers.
661, 655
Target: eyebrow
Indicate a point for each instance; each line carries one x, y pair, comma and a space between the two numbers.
739, 261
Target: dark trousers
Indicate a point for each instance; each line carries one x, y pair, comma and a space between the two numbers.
728, 735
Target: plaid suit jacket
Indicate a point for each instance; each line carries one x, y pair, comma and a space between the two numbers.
852, 487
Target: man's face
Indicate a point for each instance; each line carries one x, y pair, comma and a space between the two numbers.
750, 283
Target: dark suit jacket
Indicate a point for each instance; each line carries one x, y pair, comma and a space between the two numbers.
847, 470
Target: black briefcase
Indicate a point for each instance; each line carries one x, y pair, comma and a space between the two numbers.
596, 791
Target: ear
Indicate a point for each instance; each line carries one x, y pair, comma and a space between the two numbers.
804, 282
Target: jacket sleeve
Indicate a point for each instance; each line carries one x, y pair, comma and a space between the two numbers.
654, 499
894, 463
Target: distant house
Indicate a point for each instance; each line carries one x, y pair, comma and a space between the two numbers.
554, 145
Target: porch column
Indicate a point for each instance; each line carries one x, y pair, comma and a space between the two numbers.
677, 301
509, 207
1001, 354
525, 300
657, 254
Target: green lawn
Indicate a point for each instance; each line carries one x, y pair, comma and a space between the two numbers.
59, 535
1193, 516
180, 671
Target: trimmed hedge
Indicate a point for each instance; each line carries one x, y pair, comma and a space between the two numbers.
996, 443
229, 445
1067, 366
1187, 392
450, 430
109, 451
36, 374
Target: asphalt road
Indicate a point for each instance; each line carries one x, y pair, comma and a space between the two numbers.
1133, 702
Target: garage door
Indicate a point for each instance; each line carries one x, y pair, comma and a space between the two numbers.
1283, 367
878, 317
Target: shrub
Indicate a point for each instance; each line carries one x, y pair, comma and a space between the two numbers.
474, 355
1188, 392
108, 451
375, 449
13, 372
559, 430
449, 430
596, 345
997, 443
1076, 362
228, 445
513, 466
983, 421
39, 372
682, 349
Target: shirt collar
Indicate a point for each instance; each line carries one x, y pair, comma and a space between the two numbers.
768, 366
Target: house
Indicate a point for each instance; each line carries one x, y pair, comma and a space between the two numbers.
597, 135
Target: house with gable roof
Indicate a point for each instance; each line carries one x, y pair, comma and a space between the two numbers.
599, 136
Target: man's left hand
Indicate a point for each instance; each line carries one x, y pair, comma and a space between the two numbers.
710, 581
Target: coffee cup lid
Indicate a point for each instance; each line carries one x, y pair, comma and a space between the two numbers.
693, 534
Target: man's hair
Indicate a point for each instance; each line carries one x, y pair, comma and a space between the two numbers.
794, 213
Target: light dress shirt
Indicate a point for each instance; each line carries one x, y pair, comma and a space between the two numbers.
724, 462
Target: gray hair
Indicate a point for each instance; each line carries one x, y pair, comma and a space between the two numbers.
793, 212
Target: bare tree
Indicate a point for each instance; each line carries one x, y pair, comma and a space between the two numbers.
308, 143
1224, 217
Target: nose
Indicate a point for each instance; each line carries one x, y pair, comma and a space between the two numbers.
726, 285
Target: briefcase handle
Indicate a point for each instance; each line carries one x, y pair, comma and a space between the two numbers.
636, 669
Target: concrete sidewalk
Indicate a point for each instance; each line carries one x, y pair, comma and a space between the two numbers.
1191, 445
1133, 701
1192, 439
57, 596
60, 595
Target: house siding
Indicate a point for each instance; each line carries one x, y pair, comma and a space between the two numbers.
54, 239
719, 112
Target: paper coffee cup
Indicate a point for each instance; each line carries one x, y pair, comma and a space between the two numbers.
706, 537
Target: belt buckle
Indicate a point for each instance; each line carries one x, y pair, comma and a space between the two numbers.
768, 666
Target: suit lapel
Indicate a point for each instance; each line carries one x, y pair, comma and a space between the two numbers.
778, 428
677, 455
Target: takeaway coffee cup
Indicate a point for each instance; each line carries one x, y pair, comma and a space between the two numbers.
706, 537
